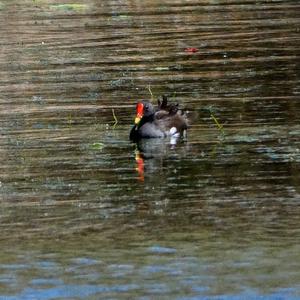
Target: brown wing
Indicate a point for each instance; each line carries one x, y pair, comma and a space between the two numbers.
161, 114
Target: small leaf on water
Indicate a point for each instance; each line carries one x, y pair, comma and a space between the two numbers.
97, 146
124, 17
161, 68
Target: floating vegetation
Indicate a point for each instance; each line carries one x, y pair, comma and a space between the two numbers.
121, 17
220, 126
70, 119
96, 146
162, 69
211, 110
115, 118
149, 89
69, 7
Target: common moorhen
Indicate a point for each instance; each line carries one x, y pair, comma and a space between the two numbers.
163, 121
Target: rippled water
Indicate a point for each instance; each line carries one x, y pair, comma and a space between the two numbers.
85, 214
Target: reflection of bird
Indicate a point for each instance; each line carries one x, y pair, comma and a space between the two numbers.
163, 121
140, 165
150, 155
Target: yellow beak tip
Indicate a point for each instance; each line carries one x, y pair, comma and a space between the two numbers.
137, 120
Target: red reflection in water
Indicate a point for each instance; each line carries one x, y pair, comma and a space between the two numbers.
191, 50
140, 166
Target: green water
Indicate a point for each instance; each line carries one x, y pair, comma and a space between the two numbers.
85, 214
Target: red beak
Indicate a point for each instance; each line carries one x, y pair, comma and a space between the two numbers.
139, 112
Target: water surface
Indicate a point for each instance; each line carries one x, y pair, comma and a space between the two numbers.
85, 214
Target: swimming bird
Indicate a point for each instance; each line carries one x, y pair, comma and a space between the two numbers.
165, 120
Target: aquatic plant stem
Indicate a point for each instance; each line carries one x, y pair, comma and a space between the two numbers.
149, 89
220, 126
115, 118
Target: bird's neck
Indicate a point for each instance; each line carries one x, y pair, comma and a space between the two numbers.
145, 119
